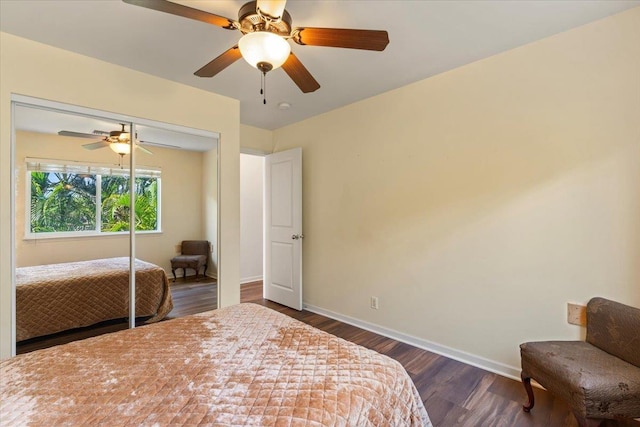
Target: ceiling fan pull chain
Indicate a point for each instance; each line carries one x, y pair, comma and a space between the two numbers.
263, 89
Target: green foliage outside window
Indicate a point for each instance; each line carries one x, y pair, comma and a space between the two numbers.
66, 202
62, 202
116, 203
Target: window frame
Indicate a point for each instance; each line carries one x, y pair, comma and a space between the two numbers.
97, 232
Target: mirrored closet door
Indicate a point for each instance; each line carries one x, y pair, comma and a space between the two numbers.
75, 247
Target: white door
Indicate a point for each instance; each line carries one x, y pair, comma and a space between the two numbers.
283, 228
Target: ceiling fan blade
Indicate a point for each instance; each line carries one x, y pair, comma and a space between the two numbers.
337, 37
300, 75
220, 63
78, 134
185, 11
158, 144
96, 145
144, 150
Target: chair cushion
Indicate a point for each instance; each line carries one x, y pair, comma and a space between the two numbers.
189, 261
595, 383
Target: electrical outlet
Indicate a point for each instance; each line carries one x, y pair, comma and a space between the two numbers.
374, 303
577, 314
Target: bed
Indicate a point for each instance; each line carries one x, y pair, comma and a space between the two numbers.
240, 365
57, 297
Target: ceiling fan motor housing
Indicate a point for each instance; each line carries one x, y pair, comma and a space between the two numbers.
115, 134
251, 21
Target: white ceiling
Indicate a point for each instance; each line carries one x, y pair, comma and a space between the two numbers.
426, 38
48, 121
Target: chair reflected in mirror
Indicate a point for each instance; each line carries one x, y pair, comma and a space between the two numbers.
194, 254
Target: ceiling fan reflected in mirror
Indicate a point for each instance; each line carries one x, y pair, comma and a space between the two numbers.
118, 140
266, 27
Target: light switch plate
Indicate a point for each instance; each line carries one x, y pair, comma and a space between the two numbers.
577, 314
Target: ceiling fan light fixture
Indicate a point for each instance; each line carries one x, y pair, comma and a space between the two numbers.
121, 148
262, 48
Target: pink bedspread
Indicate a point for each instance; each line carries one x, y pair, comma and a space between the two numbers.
241, 365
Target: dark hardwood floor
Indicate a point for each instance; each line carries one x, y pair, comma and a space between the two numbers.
191, 297
455, 394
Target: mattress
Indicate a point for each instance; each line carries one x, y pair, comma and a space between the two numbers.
236, 366
57, 297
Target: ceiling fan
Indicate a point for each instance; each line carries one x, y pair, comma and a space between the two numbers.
118, 140
266, 27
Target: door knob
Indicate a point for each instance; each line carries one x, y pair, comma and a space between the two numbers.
297, 236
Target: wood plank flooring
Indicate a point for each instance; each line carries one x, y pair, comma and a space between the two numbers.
455, 394
191, 297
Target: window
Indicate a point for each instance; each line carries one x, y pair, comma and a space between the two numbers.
72, 199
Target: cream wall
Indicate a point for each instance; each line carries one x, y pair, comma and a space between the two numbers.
210, 189
477, 203
179, 168
253, 139
251, 217
37, 70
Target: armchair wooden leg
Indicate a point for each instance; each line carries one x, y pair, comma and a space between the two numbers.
526, 381
173, 270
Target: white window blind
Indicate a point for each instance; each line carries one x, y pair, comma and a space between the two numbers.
72, 166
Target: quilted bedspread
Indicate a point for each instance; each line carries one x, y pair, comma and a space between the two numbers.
57, 297
236, 366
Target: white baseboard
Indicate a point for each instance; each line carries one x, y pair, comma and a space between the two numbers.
452, 353
180, 276
250, 279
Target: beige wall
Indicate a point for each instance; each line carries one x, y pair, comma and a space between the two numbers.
258, 141
210, 207
181, 187
253, 139
477, 203
38, 70
251, 217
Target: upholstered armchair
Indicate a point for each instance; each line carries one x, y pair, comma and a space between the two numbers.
599, 378
193, 254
